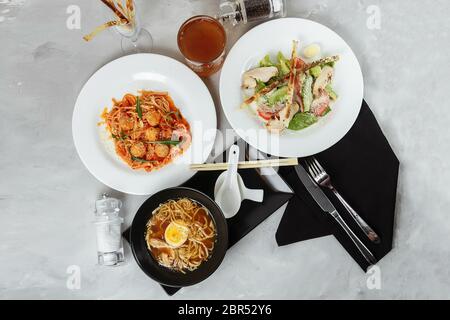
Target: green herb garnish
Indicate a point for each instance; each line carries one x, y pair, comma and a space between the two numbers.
121, 137
169, 142
138, 108
140, 159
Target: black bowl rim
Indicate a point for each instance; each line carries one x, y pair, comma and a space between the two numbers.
187, 282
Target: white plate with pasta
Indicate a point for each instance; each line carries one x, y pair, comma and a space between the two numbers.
141, 120
307, 87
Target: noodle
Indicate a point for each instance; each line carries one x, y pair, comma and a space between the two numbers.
148, 130
199, 243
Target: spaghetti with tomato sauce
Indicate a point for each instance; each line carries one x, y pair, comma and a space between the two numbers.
148, 130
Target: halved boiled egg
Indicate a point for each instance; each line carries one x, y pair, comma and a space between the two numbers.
176, 233
311, 51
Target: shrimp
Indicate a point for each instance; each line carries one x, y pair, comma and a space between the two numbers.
166, 134
128, 100
181, 133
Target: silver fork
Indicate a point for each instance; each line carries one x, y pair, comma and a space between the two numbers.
323, 179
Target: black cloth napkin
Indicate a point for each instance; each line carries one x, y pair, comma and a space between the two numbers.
364, 169
251, 213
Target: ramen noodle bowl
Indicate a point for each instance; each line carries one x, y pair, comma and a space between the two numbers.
181, 234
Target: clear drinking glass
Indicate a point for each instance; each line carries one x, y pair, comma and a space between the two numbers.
135, 39
201, 40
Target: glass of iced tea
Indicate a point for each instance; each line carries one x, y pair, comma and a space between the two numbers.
202, 40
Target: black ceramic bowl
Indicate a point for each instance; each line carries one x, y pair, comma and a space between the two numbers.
146, 261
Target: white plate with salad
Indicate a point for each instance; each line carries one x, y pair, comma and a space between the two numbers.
291, 87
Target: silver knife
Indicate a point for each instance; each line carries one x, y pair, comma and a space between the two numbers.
326, 205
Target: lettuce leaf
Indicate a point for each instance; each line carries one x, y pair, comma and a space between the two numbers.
315, 71
333, 95
307, 92
302, 120
277, 96
260, 85
283, 64
266, 62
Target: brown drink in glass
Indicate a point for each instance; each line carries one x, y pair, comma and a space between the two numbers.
202, 40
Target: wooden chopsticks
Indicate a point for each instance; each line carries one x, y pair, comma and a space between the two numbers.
246, 164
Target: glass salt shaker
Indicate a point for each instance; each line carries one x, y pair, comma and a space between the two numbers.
108, 226
243, 11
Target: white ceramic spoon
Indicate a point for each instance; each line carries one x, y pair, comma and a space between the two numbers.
228, 195
256, 195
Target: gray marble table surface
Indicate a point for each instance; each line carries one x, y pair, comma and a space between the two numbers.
47, 195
